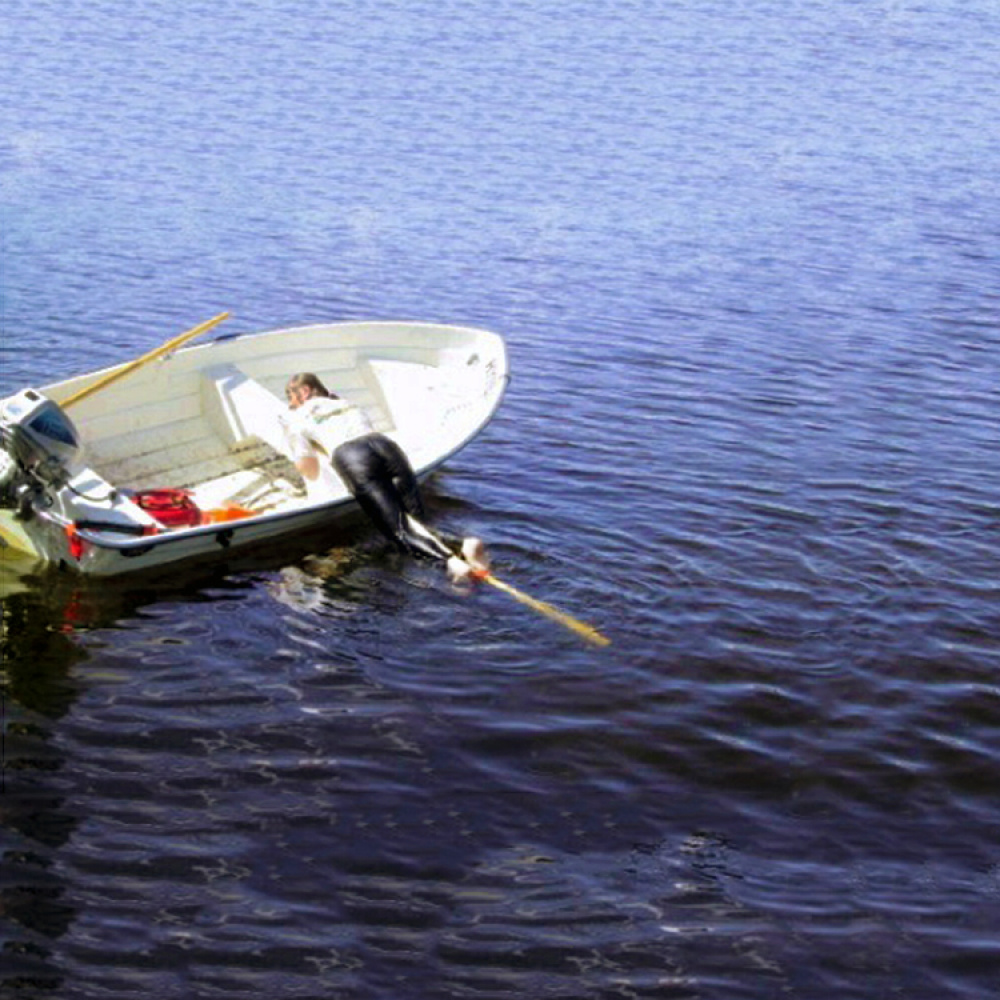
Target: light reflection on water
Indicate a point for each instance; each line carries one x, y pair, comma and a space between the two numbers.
748, 292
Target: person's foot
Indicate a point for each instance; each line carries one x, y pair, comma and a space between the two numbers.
474, 553
458, 569
472, 563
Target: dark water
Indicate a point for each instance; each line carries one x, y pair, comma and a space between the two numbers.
746, 259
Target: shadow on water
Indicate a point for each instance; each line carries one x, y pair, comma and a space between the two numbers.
37, 654
46, 614
43, 612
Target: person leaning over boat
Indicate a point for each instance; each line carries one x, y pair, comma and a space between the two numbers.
328, 434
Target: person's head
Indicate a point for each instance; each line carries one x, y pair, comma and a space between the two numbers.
303, 387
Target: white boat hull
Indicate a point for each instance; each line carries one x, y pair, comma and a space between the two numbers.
204, 418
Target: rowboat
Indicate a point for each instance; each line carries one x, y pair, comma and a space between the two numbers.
182, 455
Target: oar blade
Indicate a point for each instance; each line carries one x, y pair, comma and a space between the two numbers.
588, 632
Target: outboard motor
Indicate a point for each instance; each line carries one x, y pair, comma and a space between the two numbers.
43, 448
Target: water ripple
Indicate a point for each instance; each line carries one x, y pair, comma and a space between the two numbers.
746, 269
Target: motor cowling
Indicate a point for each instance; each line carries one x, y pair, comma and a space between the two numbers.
40, 438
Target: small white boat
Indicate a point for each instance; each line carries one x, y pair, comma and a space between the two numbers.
82, 461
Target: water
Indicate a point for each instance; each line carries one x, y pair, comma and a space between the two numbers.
745, 258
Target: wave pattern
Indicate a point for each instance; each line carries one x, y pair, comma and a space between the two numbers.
746, 265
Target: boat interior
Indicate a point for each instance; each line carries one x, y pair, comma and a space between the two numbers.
212, 424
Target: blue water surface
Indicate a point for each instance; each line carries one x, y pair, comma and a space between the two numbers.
746, 261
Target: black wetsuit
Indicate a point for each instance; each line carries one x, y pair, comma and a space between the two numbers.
379, 476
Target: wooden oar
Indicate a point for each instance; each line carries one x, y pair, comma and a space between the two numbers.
588, 632
581, 628
131, 366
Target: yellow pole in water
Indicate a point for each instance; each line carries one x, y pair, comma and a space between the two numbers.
580, 628
131, 366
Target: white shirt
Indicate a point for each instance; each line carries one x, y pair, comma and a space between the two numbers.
318, 427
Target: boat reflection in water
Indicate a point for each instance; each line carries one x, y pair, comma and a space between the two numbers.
37, 656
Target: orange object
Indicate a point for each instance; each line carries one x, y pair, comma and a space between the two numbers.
219, 515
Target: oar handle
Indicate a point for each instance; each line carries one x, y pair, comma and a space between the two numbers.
131, 366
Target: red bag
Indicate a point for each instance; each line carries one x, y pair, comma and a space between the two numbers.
172, 508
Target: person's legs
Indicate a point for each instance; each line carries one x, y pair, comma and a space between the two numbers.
360, 467
407, 494
372, 467
404, 480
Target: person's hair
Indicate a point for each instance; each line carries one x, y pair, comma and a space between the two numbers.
310, 381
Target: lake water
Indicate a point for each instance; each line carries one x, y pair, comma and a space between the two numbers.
747, 261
